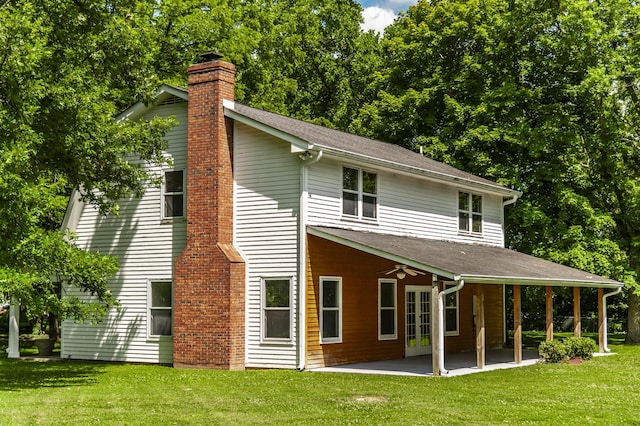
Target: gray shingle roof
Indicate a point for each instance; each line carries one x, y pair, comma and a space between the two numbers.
338, 141
472, 262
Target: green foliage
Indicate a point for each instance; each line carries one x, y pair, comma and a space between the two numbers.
555, 351
540, 96
66, 69
580, 347
306, 59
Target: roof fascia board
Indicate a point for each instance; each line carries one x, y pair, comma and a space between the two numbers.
483, 279
139, 108
73, 212
426, 174
380, 253
296, 142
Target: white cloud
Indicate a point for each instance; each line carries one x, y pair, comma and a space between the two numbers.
377, 19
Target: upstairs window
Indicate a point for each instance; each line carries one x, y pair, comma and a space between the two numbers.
276, 309
160, 308
173, 194
359, 193
469, 213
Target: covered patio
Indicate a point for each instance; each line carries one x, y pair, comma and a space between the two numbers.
456, 364
454, 265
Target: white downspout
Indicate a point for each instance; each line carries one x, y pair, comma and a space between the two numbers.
13, 351
605, 319
307, 159
443, 294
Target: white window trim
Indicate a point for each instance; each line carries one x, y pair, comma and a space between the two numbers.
360, 194
157, 337
339, 309
163, 194
456, 332
393, 336
263, 308
470, 213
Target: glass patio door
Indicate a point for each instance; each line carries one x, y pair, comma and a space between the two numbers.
418, 320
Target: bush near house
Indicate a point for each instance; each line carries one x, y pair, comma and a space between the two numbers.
554, 351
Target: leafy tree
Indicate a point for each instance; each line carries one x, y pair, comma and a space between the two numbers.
303, 58
540, 96
66, 68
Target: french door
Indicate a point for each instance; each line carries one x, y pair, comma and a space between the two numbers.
418, 320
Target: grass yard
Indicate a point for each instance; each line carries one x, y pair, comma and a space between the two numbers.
605, 390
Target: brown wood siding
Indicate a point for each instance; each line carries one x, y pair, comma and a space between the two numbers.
359, 273
465, 341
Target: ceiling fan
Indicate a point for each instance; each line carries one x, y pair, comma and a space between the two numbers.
402, 271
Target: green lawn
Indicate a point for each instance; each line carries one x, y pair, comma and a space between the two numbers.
605, 390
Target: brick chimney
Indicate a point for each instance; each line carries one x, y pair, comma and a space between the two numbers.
208, 327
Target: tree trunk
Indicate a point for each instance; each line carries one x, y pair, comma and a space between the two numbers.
54, 327
633, 318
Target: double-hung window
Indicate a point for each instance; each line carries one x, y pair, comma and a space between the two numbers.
276, 309
451, 312
359, 193
173, 194
160, 308
330, 309
387, 310
469, 213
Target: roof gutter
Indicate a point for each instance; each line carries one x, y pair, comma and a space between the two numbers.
512, 200
488, 279
605, 319
459, 284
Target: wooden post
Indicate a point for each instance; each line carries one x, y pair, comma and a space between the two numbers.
480, 330
549, 311
435, 331
517, 326
601, 322
577, 323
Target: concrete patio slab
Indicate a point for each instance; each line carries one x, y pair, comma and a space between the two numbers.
456, 364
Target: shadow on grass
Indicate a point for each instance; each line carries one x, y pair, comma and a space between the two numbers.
18, 375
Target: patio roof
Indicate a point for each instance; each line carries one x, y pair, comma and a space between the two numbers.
473, 263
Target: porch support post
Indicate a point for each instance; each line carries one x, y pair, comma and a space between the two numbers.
602, 344
480, 331
517, 326
549, 312
435, 331
13, 351
577, 323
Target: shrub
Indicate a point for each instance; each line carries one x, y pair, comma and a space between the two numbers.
553, 351
580, 347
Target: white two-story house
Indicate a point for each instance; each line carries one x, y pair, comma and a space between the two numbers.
275, 243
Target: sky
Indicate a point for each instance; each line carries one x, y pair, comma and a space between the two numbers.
380, 13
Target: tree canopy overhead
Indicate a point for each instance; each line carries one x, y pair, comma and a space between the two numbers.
540, 96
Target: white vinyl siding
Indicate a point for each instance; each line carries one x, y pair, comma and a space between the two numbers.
146, 248
406, 206
266, 206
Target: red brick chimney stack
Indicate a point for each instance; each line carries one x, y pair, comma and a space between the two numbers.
209, 274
